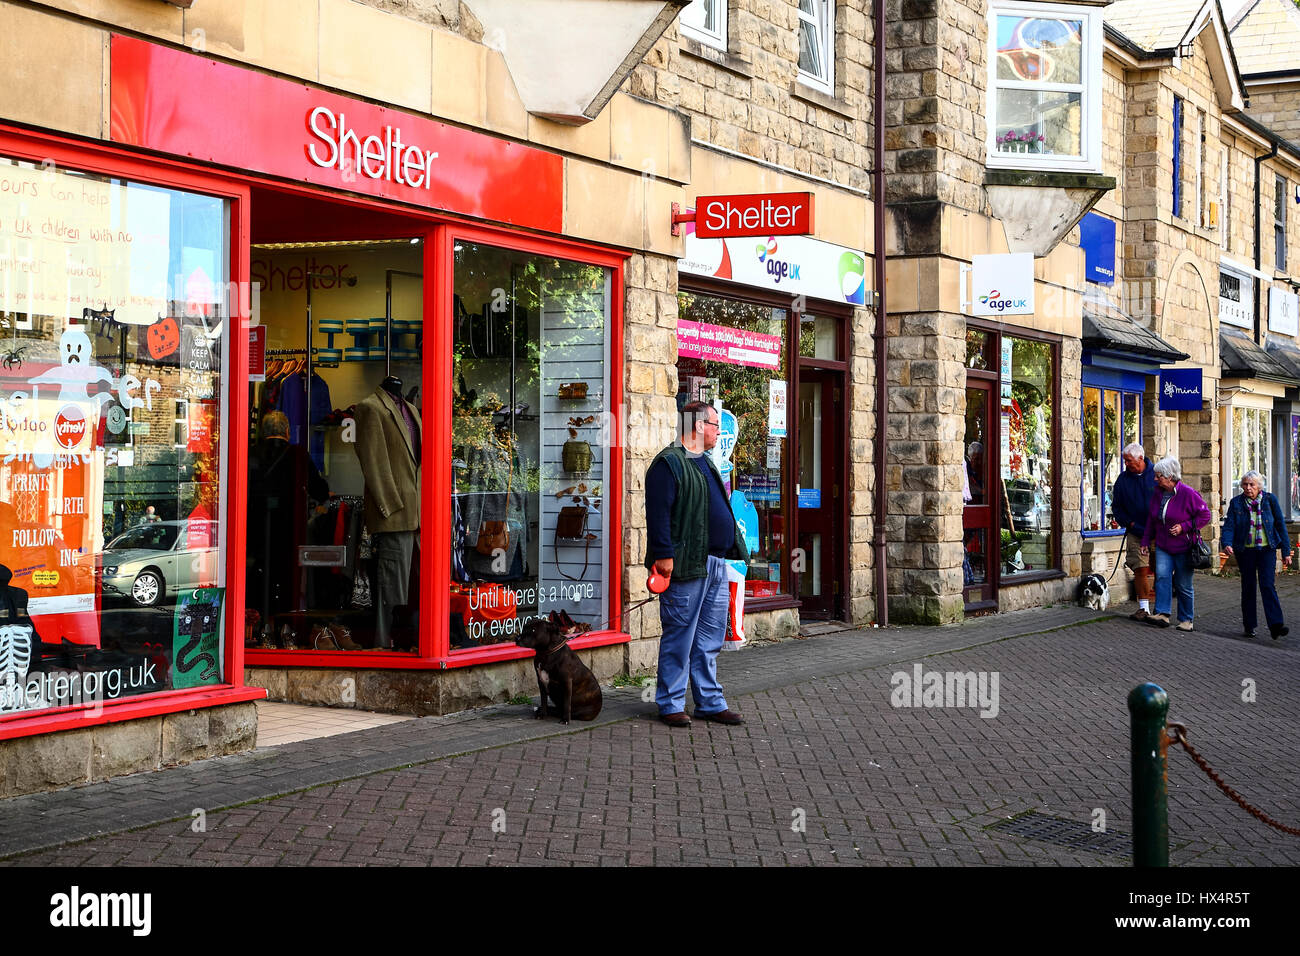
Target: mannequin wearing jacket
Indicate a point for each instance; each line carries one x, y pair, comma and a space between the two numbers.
388, 448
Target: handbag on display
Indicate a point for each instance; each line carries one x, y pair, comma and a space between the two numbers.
496, 534
576, 456
571, 527
1200, 556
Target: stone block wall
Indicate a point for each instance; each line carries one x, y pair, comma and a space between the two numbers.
649, 422
927, 407
71, 757
749, 99
936, 88
861, 583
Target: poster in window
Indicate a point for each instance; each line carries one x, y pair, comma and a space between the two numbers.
776, 409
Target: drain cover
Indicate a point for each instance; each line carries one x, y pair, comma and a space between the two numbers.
1068, 833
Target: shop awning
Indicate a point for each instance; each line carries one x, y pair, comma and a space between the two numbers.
1106, 329
1240, 357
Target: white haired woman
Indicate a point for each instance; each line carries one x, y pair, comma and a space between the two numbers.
1176, 514
1253, 531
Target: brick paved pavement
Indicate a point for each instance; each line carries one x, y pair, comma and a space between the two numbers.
873, 783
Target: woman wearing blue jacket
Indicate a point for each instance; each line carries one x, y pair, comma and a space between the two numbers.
1253, 530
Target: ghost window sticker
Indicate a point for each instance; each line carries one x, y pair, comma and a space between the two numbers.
76, 370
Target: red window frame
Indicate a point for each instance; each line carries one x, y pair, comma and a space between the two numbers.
117, 163
440, 233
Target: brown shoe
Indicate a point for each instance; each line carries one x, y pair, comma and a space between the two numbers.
675, 720
1141, 614
323, 640
1158, 620
343, 638
729, 717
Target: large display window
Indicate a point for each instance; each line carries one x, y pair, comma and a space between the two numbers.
1112, 420
1011, 487
114, 342
530, 435
336, 445
733, 354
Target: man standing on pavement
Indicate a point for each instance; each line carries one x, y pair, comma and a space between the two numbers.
692, 532
1130, 503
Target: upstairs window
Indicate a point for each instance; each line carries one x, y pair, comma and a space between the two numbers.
1279, 225
1045, 85
1178, 156
817, 44
706, 21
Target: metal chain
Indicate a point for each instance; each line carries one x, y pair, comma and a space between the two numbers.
1179, 735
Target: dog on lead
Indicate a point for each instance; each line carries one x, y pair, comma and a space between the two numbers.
1094, 592
561, 676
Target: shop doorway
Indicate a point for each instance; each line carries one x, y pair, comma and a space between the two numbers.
820, 493
336, 430
981, 529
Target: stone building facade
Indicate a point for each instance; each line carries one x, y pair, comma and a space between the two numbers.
666, 119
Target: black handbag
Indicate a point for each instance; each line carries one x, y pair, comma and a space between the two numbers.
1200, 556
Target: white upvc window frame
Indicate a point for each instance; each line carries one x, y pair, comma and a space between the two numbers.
825, 29
694, 17
1091, 89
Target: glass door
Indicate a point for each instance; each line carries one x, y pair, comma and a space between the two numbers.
820, 493
980, 527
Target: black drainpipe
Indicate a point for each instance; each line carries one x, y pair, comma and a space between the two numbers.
882, 365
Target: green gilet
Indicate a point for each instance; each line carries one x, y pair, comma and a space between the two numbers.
688, 524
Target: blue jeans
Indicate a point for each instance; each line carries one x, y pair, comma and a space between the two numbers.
1174, 573
694, 619
1258, 564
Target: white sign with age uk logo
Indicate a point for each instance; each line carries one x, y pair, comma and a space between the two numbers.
1002, 284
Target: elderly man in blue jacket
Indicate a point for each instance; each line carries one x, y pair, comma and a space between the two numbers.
1130, 502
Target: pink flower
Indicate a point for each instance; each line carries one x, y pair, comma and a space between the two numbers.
1041, 138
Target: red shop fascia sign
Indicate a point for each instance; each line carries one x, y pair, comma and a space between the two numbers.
190, 107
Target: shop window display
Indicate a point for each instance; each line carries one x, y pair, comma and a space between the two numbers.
336, 447
1027, 376
1103, 442
1249, 444
529, 444
112, 317
733, 355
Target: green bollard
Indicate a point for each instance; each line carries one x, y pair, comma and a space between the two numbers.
1148, 706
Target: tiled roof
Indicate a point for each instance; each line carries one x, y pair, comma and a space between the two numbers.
1153, 26
1267, 38
1240, 357
1106, 327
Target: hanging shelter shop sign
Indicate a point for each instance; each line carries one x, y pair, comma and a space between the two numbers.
768, 214
179, 103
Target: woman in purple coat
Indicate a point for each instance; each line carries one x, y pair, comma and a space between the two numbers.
1177, 513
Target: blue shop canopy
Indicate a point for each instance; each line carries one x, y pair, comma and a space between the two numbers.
1117, 351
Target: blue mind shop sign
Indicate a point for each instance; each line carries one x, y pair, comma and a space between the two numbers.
1180, 389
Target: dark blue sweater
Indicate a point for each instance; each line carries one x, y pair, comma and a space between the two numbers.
1132, 498
661, 492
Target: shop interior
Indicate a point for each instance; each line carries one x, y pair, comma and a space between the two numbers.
335, 429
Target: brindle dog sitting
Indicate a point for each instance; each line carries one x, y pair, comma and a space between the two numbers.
561, 676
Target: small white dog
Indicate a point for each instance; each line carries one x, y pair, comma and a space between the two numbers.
1094, 593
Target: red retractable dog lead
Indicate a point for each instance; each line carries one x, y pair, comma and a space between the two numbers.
657, 584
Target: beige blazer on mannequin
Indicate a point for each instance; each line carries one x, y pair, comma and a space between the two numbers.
387, 459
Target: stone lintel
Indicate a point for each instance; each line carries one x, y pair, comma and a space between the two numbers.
1038, 209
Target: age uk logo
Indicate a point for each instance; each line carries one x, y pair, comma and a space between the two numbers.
995, 300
